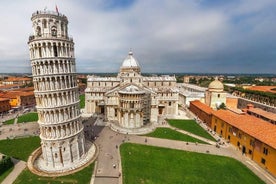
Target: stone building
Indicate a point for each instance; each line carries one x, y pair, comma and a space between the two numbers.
57, 95
131, 100
4, 105
215, 94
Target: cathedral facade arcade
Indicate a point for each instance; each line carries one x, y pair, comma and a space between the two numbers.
131, 100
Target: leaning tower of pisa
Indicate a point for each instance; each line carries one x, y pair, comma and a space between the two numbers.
52, 58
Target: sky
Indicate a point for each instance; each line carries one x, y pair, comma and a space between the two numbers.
172, 36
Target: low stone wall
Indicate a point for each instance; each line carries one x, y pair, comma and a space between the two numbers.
135, 131
242, 104
91, 156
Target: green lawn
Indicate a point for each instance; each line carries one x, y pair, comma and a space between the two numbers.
82, 101
167, 133
8, 122
82, 177
143, 164
190, 126
19, 148
29, 117
5, 174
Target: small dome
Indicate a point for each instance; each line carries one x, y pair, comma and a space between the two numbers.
216, 85
130, 61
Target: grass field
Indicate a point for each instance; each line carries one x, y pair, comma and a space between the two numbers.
167, 133
143, 164
5, 174
82, 101
190, 126
19, 148
29, 117
81, 177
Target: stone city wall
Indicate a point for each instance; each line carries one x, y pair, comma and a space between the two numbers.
242, 104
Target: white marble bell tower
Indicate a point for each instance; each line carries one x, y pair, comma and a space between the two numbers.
56, 92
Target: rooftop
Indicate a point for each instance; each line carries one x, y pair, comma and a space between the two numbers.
263, 88
261, 112
130, 61
205, 108
255, 127
4, 99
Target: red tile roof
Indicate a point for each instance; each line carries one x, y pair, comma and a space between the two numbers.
263, 88
205, 108
11, 79
255, 127
4, 99
268, 115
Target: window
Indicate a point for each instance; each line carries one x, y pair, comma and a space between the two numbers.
170, 103
55, 50
44, 22
240, 135
38, 31
218, 95
228, 137
230, 129
54, 31
250, 152
251, 142
265, 151
263, 161
238, 143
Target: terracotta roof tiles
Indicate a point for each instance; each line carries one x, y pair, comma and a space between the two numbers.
268, 115
205, 108
255, 127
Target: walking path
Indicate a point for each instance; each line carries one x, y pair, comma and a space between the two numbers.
108, 164
190, 134
18, 130
109, 154
19, 166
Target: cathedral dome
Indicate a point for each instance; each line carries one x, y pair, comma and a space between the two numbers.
130, 64
130, 61
216, 85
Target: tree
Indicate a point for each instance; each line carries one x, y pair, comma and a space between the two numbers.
222, 106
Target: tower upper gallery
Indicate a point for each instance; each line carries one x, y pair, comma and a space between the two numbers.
49, 24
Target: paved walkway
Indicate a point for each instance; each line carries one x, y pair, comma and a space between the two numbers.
20, 129
190, 134
108, 164
19, 166
108, 168
109, 155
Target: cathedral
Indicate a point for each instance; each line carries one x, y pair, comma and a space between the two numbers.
131, 100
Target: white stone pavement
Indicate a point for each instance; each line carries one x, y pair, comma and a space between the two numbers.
20, 129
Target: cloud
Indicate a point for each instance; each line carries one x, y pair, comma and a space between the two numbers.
166, 36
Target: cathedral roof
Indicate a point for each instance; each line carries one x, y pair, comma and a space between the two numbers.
132, 89
130, 61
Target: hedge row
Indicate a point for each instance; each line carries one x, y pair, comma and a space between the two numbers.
5, 163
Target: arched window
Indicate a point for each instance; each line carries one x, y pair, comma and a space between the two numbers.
55, 50
44, 23
61, 26
54, 31
38, 31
